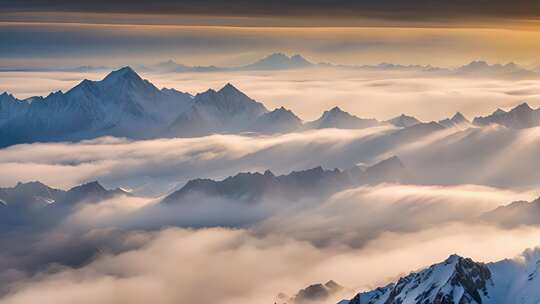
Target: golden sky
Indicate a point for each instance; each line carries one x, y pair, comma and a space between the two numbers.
106, 35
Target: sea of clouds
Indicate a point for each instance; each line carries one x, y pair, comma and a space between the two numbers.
225, 251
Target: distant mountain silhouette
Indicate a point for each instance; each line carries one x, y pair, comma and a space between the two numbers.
337, 118
36, 204
278, 61
315, 182
520, 117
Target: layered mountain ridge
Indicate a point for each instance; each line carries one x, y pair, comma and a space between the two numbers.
34, 203
124, 105
520, 117
316, 182
281, 61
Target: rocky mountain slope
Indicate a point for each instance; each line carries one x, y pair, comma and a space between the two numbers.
461, 280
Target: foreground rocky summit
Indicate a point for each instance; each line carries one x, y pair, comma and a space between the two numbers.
459, 280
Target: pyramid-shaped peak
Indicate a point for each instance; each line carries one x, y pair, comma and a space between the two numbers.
125, 73
523, 107
125, 70
334, 112
229, 89
459, 118
458, 115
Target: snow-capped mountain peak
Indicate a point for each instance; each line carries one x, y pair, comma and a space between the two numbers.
121, 104
6, 95
455, 280
125, 73
7, 103
464, 281
226, 110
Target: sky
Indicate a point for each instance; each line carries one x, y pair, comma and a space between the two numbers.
385, 9
444, 33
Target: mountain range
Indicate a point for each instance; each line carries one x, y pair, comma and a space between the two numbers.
281, 61
125, 105
464, 281
316, 182
519, 213
34, 203
520, 117
122, 104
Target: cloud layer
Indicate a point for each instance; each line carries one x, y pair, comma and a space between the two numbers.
360, 237
483, 156
232, 266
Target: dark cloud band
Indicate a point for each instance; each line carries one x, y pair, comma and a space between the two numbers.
385, 9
